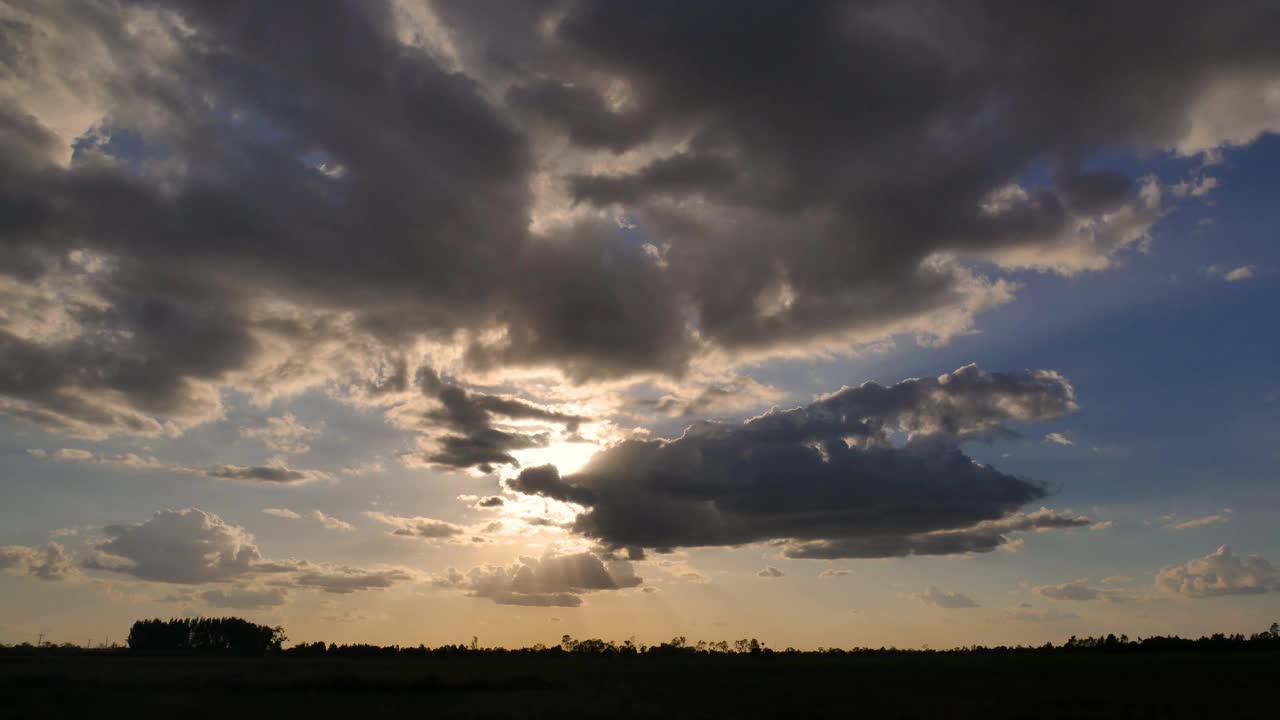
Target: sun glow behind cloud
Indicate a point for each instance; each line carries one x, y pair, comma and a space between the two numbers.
568, 457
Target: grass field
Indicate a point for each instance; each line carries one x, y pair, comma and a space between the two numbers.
918, 685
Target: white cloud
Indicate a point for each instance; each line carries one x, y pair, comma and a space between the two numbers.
1221, 572
284, 513
1220, 518
1243, 272
1058, 438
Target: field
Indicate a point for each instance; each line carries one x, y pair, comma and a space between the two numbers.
499, 685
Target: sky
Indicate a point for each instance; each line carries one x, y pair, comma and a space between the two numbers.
830, 324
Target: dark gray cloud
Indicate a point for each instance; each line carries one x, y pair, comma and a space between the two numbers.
259, 473
827, 478
982, 537
193, 198
549, 581
470, 417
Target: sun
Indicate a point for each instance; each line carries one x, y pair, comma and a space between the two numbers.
568, 457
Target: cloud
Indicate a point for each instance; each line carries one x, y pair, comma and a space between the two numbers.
345, 580
552, 580
50, 562
1026, 613
1221, 572
181, 228
474, 440
833, 573
243, 598
770, 572
1220, 518
282, 434
493, 501
1195, 188
275, 473
1058, 439
193, 547
1078, 590
187, 546
942, 599
330, 521
1244, 272
419, 527
262, 473
825, 477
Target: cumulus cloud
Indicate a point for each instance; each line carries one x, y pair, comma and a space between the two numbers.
1221, 572
943, 599
50, 562
826, 477
193, 547
770, 572
553, 580
180, 546
179, 226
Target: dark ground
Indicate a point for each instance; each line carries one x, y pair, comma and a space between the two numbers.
1166, 685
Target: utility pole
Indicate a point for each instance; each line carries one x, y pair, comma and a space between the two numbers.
40, 640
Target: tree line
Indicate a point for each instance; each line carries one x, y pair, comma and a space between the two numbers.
202, 635
236, 636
